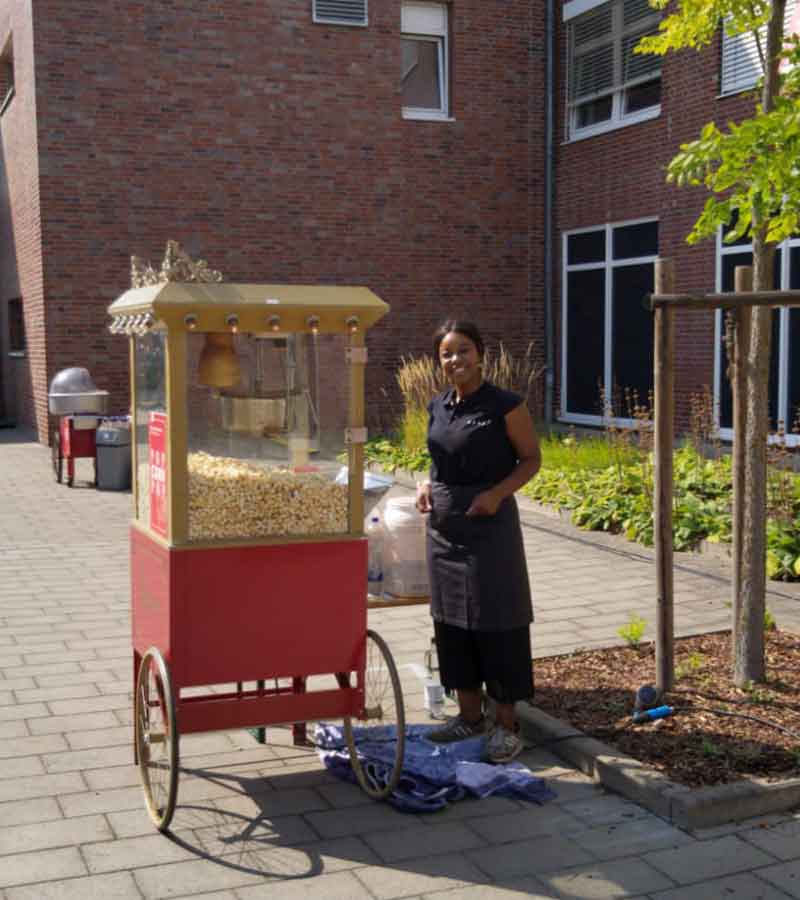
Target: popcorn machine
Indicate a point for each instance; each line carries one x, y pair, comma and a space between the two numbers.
248, 561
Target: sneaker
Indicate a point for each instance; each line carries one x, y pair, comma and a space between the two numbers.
457, 729
503, 745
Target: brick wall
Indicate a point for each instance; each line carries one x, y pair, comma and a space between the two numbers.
620, 175
275, 149
23, 379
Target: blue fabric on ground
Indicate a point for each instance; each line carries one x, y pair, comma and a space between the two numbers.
433, 774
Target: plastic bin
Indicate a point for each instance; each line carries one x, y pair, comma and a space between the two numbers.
113, 441
405, 567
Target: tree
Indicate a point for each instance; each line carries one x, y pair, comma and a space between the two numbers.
752, 172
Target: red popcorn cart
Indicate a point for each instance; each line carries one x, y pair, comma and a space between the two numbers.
248, 559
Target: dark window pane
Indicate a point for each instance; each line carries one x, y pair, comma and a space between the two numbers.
585, 344
635, 240
632, 342
588, 247
593, 112
793, 366
643, 96
16, 327
729, 263
421, 88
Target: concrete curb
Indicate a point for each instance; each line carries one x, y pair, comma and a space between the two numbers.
686, 807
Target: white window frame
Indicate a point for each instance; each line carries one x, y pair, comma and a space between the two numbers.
419, 23
618, 118
723, 249
609, 265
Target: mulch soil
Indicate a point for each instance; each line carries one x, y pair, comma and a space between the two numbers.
703, 743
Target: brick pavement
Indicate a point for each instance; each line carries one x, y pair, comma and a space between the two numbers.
268, 821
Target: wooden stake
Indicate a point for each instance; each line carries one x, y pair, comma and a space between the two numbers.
742, 317
663, 364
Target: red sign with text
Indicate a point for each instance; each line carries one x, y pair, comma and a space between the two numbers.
158, 473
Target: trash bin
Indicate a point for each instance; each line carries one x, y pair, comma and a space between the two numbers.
113, 441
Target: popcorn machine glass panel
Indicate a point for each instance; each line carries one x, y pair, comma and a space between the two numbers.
151, 407
266, 417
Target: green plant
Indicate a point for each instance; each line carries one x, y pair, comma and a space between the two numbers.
633, 631
692, 664
769, 620
710, 749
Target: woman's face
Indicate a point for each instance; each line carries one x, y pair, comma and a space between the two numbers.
460, 359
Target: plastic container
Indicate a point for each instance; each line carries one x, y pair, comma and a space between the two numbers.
374, 533
113, 441
405, 568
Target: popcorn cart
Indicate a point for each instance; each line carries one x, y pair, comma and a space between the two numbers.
248, 560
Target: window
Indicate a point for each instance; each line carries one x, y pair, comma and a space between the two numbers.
741, 65
16, 327
339, 12
784, 366
607, 334
424, 77
609, 85
6, 75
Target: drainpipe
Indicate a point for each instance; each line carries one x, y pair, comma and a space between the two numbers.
549, 189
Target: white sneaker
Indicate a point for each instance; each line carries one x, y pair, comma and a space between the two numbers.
503, 745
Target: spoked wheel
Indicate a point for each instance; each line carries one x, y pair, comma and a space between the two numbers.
58, 459
383, 705
157, 738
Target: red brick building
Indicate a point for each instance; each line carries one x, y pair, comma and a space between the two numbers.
399, 145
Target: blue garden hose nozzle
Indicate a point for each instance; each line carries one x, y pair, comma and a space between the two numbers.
647, 715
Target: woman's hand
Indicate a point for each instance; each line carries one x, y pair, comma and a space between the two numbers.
484, 504
424, 497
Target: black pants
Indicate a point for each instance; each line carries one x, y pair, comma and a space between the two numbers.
499, 659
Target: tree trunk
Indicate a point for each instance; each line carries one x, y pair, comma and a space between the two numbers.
749, 632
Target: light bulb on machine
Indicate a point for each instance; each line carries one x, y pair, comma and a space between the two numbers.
190, 321
352, 324
313, 324
275, 323
232, 321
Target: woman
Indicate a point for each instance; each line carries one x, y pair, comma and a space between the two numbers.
483, 448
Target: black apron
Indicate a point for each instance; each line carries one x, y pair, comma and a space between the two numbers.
477, 567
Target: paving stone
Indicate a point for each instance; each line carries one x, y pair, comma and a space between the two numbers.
274, 803
708, 859
420, 876
118, 735
23, 812
628, 838
531, 822
83, 803
394, 846
13, 728
341, 885
27, 868
80, 760
39, 786
785, 876
119, 886
195, 877
603, 881
58, 833
780, 840
22, 711
239, 835
65, 692
516, 889
376, 817
134, 853
530, 857
745, 886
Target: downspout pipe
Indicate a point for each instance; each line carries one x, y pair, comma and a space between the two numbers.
549, 189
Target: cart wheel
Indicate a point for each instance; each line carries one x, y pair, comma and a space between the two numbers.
58, 459
383, 705
157, 738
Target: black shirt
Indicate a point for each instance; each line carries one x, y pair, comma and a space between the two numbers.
468, 441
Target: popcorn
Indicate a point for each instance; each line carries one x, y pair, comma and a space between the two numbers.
230, 498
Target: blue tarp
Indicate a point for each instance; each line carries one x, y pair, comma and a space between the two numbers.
433, 774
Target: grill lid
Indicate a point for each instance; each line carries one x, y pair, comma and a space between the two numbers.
73, 381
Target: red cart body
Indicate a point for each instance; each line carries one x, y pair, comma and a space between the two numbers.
299, 611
